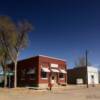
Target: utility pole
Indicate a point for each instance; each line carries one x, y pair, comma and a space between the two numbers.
86, 55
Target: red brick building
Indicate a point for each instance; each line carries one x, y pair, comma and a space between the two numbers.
41, 71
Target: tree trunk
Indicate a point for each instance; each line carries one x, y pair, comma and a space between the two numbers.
5, 76
5, 80
15, 75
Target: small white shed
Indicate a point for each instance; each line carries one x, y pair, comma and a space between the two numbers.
93, 75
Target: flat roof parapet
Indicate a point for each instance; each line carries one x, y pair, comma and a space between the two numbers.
51, 57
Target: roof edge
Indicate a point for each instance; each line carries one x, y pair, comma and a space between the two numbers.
52, 57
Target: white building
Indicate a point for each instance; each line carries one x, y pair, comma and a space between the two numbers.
93, 75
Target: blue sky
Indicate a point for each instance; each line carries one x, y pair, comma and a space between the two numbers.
62, 28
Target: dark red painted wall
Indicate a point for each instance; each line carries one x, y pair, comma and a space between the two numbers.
27, 64
36, 62
73, 74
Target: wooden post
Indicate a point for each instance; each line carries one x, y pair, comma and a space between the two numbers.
86, 54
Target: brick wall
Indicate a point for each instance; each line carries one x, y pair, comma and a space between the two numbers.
73, 74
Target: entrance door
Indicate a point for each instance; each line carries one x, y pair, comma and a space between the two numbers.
92, 80
54, 78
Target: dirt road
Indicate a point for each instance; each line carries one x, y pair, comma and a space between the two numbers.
80, 93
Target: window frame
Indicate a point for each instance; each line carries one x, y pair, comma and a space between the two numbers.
45, 78
30, 74
61, 74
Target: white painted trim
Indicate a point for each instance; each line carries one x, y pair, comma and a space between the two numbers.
44, 78
54, 65
52, 57
45, 69
63, 71
55, 70
62, 78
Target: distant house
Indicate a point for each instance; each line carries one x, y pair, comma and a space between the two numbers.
40, 71
78, 75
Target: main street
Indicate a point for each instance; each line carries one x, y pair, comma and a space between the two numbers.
75, 93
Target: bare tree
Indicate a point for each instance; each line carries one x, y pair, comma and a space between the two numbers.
3, 63
22, 41
14, 38
81, 62
7, 29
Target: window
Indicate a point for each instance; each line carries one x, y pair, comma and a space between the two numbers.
28, 73
61, 75
23, 74
92, 76
31, 74
43, 74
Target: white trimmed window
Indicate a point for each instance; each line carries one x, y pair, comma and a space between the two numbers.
61, 75
43, 74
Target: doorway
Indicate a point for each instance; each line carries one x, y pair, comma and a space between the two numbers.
92, 80
54, 78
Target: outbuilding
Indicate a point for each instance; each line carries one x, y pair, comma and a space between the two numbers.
78, 75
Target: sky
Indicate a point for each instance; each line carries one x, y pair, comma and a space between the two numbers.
62, 28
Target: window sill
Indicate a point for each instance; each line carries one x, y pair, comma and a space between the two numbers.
44, 78
61, 78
